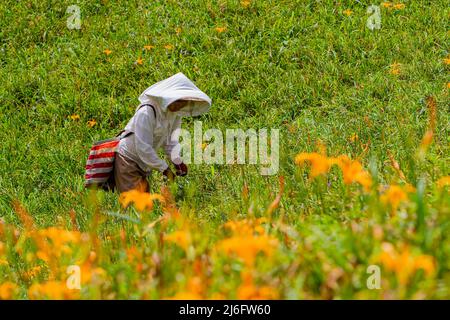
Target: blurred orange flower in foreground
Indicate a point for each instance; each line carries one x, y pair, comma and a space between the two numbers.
246, 226
52, 290
248, 291
353, 171
320, 164
141, 200
403, 263
443, 182
107, 52
179, 237
395, 195
7, 290
247, 247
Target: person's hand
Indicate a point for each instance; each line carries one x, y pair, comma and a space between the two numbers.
181, 169
168, 173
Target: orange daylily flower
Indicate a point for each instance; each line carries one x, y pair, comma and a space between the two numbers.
180, 237
403, 263
53, 290
141, 200
245, 3
399, 6
246, 226
247, 247
91, 123
395, 195
353, 171
347, 12
395, 68
7, 290
248, 291
320, 164
221, 29
443, 182
74, 117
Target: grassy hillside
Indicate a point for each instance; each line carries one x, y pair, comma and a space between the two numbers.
311, 69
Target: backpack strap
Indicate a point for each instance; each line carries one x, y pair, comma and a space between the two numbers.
153, 108
124, 133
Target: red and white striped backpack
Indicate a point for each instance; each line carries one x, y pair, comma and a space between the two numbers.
100, 162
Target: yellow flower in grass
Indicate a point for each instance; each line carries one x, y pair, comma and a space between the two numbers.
354, 137
148, 47
347, 12
74, 117
245, 3
447, 60
7, 290
448, 85
394, 69
141, 200
443, 182
91, 123
53, 290
386, 4
320, 164
107, 52
139, 61
181, 238
395, 195
168, 47
399, 6
403, 263
221, 29
248, 246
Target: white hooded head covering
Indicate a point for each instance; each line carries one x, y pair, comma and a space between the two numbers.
177, 87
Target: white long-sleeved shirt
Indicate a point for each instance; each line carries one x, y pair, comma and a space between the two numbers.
151, 132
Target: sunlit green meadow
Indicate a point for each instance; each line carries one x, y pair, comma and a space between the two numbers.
312, 69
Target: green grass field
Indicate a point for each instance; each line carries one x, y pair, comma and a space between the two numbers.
309, 68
